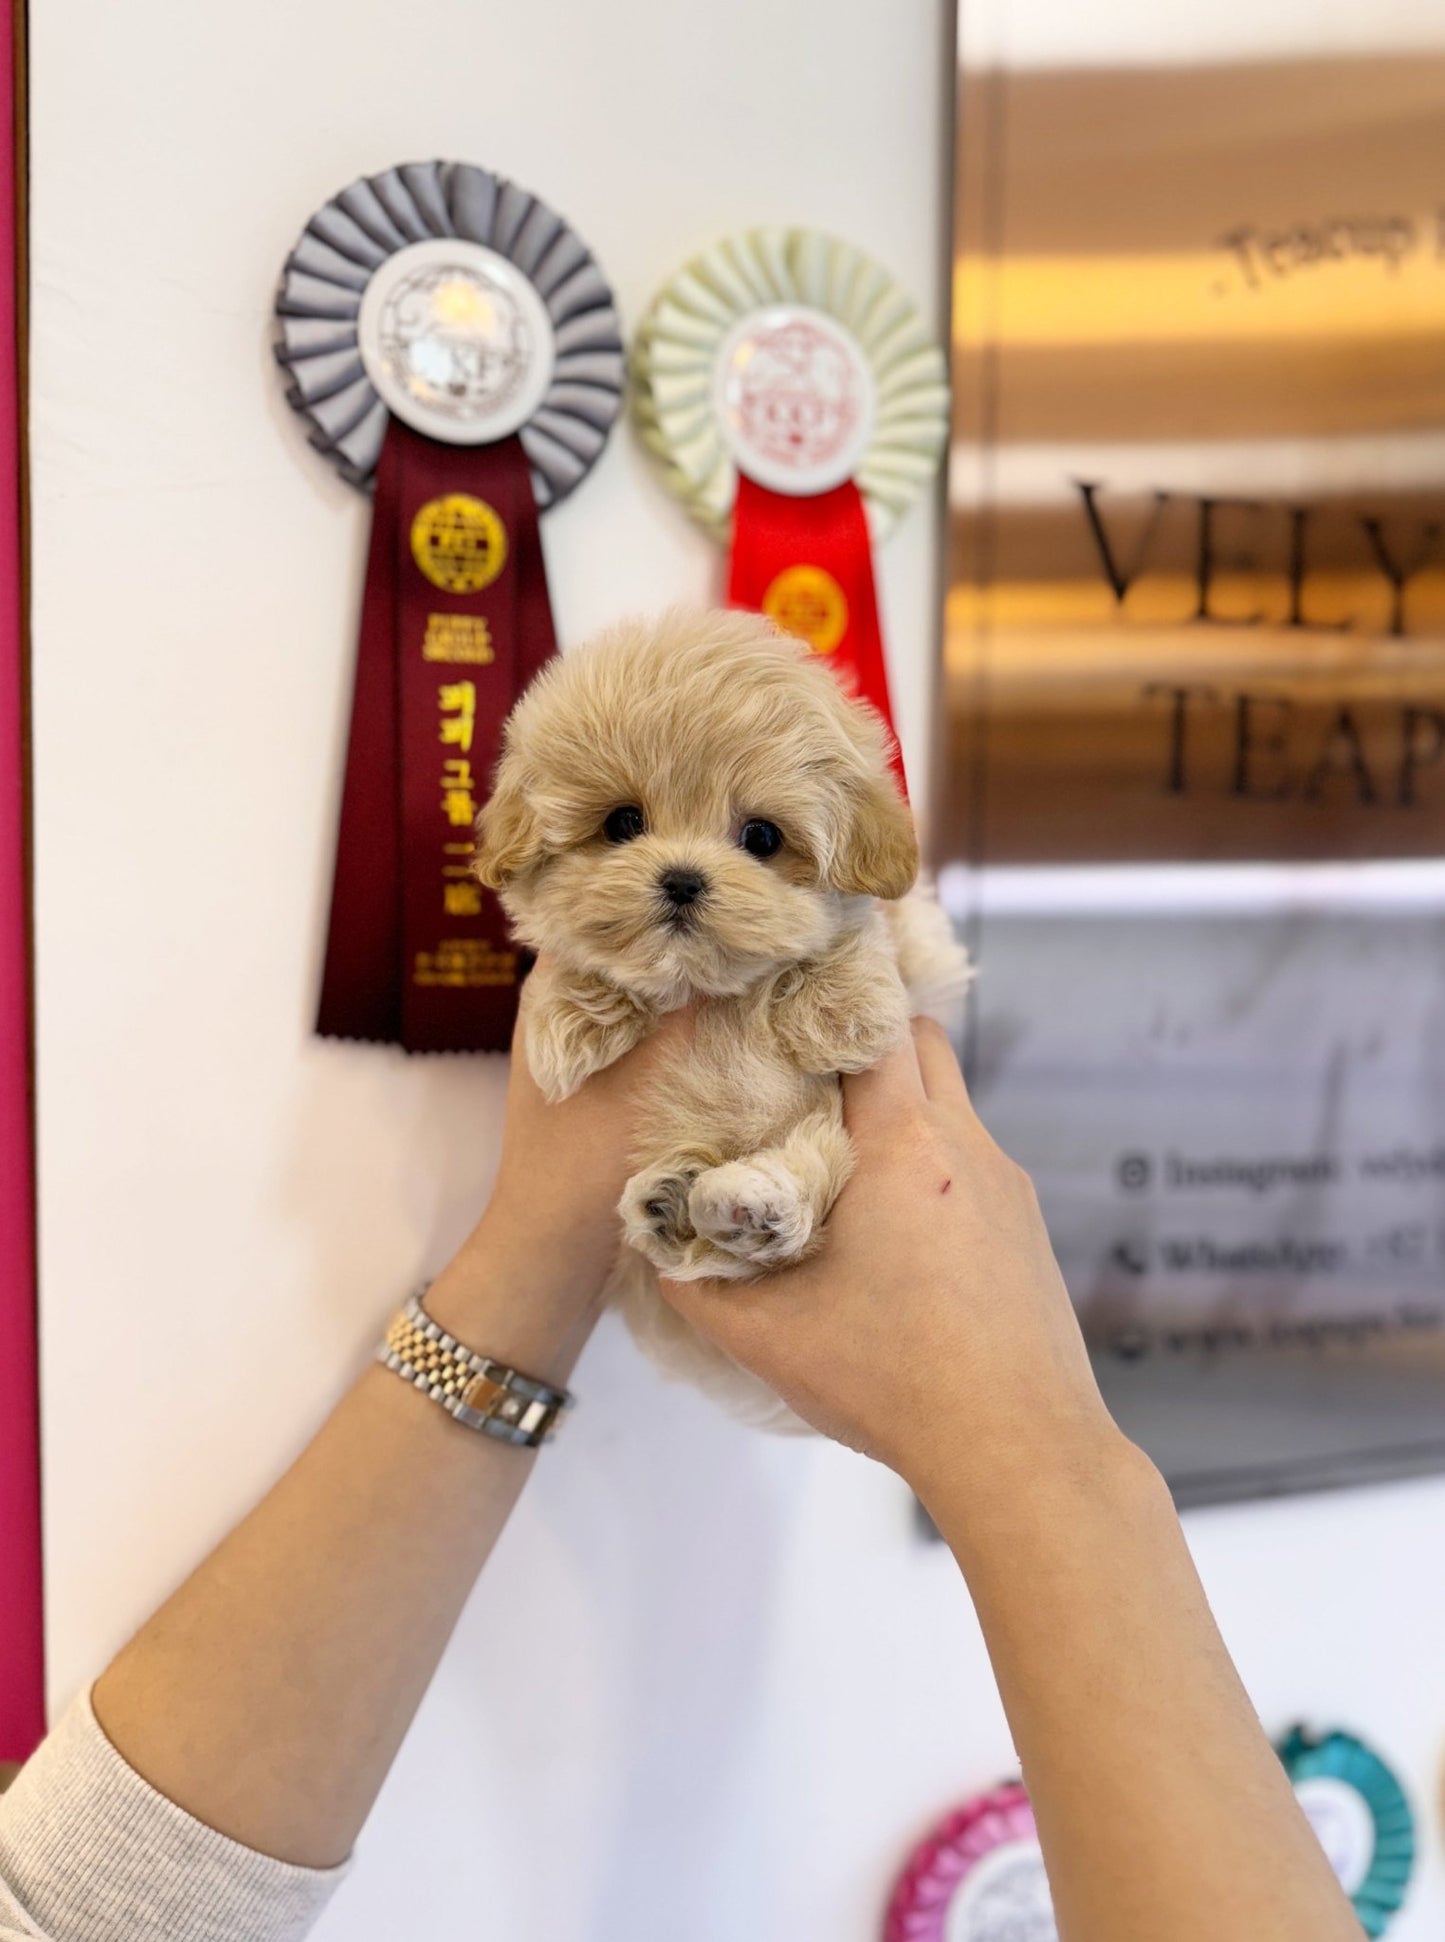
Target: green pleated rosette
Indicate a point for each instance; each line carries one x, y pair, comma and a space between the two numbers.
678, 344
1339, 1779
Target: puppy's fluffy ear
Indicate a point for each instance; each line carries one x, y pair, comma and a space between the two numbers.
879, 853
509, 837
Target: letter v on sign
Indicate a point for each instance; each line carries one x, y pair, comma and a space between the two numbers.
1119, 577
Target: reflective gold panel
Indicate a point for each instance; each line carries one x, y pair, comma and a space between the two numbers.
1197, 588
1192, 807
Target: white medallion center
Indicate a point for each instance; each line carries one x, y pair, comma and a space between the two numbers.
795, 398
456, 340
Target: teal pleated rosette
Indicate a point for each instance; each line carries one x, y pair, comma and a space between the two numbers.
1362, 1816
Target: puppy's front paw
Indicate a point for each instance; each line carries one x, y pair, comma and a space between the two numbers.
757, 1212
574, 1031
654, 1210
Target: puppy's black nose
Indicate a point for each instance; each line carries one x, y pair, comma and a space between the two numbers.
682, 887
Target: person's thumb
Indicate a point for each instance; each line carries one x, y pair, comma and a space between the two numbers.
723, 1313
749, 1320
709, 1305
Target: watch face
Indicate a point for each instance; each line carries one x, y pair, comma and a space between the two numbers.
795, 398
456, 340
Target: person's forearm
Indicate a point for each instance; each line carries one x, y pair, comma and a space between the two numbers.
269, 1695
1162, 1809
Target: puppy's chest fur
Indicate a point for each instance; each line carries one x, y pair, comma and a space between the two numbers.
738, 1090
741, 1149
758, 1084
761, 1063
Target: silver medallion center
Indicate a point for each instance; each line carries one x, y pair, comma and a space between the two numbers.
456, 340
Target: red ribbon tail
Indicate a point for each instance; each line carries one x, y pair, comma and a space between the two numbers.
807, 562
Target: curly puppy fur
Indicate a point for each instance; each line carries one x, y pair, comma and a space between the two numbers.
804, 961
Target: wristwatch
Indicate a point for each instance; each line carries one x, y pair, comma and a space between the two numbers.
483, 1394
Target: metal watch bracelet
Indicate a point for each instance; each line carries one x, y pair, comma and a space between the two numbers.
482, 1394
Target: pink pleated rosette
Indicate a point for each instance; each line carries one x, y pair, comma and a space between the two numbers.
993, 1836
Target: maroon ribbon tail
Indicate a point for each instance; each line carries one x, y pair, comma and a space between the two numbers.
456, 620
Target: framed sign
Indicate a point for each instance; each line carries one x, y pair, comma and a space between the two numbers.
1193, 801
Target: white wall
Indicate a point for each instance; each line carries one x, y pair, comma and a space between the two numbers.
712, 1686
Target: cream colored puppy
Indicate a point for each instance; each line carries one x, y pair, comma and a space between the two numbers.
690, 809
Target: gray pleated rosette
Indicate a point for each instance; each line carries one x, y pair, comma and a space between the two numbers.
323, 293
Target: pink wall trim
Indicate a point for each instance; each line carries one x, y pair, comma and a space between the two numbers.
22, 1703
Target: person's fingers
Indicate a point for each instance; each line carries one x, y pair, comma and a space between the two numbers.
687, 1297
517, 1021
710, 1306
731, 1313
532, 981
891, 1086
942, 1079
519, 1079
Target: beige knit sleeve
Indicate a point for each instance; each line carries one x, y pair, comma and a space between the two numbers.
89, 1852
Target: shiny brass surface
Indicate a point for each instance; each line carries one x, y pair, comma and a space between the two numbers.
484, 1395
1197, 567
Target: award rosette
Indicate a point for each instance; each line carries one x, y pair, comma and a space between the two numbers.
978, 1877
453, 348
794, 400
1362, 1817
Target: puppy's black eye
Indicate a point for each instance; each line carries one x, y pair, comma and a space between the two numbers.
624, 823
760, 839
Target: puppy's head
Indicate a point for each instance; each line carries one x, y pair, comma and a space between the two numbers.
688, 805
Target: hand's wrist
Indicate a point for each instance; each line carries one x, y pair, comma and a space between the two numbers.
528, 1298
975, 1481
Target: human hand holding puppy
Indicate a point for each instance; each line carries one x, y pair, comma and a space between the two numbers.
690, 811
934, 1331
934, 1324
691, 815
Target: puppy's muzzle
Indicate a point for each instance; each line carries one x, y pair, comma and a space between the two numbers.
682, 891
